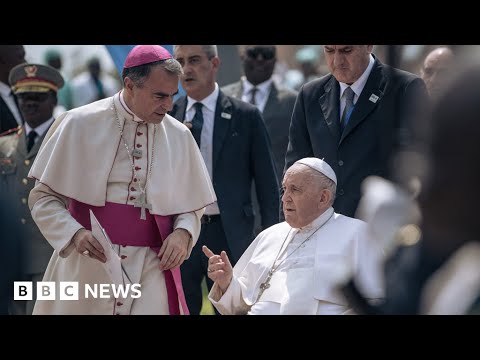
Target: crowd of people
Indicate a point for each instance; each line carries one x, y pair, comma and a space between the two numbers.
284, 201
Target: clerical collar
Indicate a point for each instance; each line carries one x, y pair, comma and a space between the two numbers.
127, 109
319, 221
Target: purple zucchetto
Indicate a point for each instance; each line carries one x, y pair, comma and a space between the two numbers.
146, 54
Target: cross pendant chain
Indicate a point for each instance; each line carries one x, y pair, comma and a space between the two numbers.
136, 153
266, 284
142, 203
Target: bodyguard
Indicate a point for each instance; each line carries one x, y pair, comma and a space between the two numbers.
35, 87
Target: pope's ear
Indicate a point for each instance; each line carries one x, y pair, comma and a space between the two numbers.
325, 197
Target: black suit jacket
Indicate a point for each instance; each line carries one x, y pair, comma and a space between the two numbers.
241, 154
7, 120
276, 115
377, 128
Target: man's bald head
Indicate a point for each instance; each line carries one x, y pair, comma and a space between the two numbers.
437, 68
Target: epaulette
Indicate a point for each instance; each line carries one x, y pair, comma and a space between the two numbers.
17, 129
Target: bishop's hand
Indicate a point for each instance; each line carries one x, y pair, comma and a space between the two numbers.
87, 245
219, 268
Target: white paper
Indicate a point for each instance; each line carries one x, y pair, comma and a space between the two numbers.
113, 266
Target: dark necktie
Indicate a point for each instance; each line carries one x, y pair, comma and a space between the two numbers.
197, 123
347, 112
31, 139
253, 93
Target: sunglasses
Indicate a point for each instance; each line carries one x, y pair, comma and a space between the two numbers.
33, 96
267, 53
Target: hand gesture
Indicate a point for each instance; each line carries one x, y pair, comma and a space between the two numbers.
88, 246
219, 268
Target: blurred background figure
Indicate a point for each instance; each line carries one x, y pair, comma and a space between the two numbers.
437, 70
274, 101
93, 84
307, 59
53, 58
10, 243
10, 117
436, 268
36, 87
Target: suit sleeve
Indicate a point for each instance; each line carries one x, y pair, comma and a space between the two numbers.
413, 109
411, 130
264, 172
299, 145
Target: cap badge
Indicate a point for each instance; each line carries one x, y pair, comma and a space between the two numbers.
30, 70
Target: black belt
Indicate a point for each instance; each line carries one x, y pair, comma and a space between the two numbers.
207, 219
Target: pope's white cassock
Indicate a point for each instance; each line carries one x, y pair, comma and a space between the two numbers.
307, 279
84, 162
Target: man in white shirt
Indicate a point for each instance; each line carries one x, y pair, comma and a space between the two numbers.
295, 267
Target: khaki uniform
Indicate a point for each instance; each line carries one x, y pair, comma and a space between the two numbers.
15, 163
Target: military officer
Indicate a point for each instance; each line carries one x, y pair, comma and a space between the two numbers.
36, 89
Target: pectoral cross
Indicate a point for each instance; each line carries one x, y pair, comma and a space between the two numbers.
265, 285
142, 203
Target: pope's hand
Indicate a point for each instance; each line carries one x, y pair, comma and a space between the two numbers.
88, 246
219, 268
174, 249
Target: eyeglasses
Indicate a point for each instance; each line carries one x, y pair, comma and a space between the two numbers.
267, 53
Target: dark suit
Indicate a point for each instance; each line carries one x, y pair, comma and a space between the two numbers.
10, 254
36, 251
7, 120
376, 130
241, 154
276, 116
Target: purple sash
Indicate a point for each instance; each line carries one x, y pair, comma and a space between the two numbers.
123, 225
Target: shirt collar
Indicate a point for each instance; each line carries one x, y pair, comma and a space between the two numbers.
358, 85
130, 114
209, 102
319, 221
4, 89
40, 129
262, 87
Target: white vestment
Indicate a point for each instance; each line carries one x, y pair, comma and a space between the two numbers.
306, 281
84, 158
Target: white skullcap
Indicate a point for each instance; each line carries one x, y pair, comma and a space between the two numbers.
320, 166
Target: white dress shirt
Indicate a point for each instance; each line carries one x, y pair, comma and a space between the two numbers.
357, 86
263, 91
206, 138
40, 130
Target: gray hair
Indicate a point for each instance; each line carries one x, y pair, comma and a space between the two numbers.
324, 183
139, 74
210, 50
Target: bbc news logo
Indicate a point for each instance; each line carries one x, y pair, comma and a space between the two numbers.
69, 290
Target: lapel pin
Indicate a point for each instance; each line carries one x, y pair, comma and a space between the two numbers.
373, 98
226, 115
